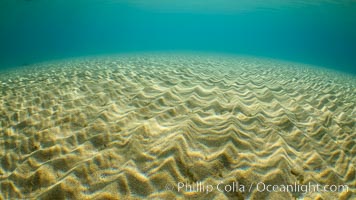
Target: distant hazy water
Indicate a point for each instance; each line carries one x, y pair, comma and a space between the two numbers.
316, 32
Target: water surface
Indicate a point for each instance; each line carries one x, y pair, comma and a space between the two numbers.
318, 32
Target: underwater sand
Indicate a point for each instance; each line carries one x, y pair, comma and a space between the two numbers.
125, 127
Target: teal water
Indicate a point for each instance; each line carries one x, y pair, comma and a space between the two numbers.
316, 32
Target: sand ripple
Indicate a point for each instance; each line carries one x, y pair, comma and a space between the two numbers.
126, 127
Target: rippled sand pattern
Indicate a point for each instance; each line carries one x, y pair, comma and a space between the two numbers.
128, 127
